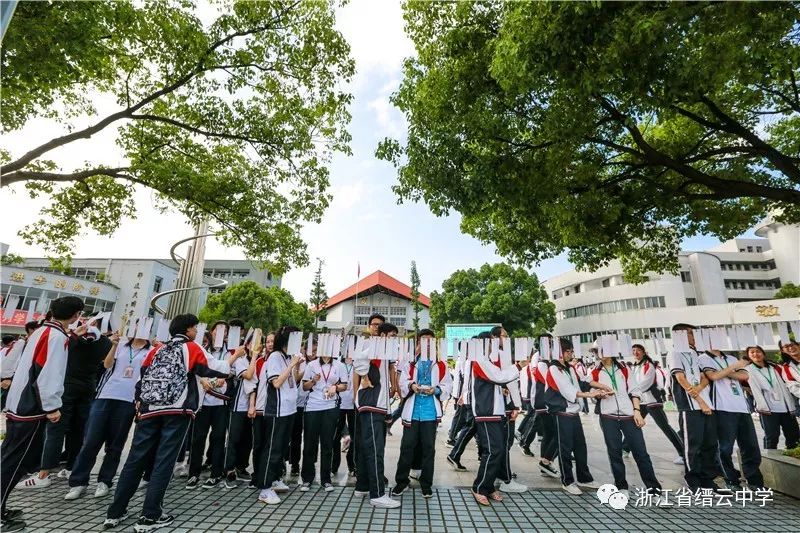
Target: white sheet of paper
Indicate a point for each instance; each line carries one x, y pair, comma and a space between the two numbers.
143, 328
576, 345
661, 346
626, 346
718, 339
520, 348
219, 336
201, 331
11, 305
680, 341
444, 353
295, 343
162, 333
133, 327
32, 310
234, 337
556, 348
351, 346
783, 332
700, 340
309, 344
795, 326
764, 334
733, 340
433, 352
744, 333
544, 348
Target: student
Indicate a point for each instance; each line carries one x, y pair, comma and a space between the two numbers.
372, 401
489, 409
774, 403
459, 411
168, 395
734, 423
563, 388
111, 416
277, 401
256, 375
649, 378
790, 369
295, 452
239, 440
692, 398
347, 418
34, 397
424, 385
621, 415
212, 417
10, 359
324, 379
544, 423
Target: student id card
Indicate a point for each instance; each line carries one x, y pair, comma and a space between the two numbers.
128, 372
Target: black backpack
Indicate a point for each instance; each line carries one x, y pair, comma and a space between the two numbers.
164, 381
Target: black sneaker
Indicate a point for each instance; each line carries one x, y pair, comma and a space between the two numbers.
733, 487
427, 492
548, 470
12, 514
206, 466
399, 489
212, 482
456, 464
527, 451
295, 471
192, 482
450, 443
150, 524
111, 523
243, 475
252, 485
231, 481
9, 525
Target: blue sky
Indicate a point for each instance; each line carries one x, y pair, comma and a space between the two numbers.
363, 223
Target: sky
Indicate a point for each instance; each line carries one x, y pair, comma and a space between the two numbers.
364, 208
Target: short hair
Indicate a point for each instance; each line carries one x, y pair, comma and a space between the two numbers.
376, 315
31, 326
566, 344
386, 328
8, 339
496, 331
641, 347
282, 338
236, 323
182, 323
425, 331
682, 326
66, 307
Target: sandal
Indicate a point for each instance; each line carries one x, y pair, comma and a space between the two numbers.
480, 498
496, 496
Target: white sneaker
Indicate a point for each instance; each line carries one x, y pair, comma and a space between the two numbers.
415, 474
279, 486
181, 470
513, 486
361, 493
74, 493
572, 489
328, 487
305, 487
384, 502
34, 482
678, 460
101, 490
594, 485
626, 455
142, 485
269, 497
63, 473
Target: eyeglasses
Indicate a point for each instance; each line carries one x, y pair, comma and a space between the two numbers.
376, 324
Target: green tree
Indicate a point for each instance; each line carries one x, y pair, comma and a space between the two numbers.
604, 129
415, 305
218, 108
319, 296
495, 293
788, 290
291, 312
11, 259
257, 306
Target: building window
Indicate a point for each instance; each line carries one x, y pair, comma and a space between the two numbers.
607, 282
577, 289
362, 310
759, 249
741, 249
398, 311
750, 249
686, 276
566, 292
382, 309
555, 296
691, 301
361, 320
157, 284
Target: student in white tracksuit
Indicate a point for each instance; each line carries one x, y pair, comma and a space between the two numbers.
773, 401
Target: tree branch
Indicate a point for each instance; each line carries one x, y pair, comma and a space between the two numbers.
29, 175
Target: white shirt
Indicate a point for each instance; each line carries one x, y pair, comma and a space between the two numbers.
281, 401
243, 388
618, 404
119, 381
302, 394
769, 390
689, 364
727, 393
347, 395
209, 400
329, 374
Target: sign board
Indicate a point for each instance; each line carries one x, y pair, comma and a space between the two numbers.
454, 332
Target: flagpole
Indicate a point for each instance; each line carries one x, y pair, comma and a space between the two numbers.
355, 304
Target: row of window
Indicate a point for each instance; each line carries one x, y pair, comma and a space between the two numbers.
635, 333
577, 289
90, 274
752, 284
43, 297
616, 306
750, 249
769, 265
396, 320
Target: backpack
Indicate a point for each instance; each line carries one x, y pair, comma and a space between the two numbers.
164, 381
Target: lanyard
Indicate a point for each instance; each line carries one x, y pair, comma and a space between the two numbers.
349, 369
768, 377
716, 361
689, 362
326, 376
132, 355
613, 376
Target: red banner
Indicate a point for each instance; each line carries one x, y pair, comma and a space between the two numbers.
19, 319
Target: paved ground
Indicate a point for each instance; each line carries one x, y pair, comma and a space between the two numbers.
545, 508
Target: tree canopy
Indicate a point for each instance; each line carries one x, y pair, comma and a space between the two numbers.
257, 306
788, 290
228, 111
604, 129
318, 299
416, 306
495, 293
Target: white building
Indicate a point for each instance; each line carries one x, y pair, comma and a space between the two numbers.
376, 293
730, 284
